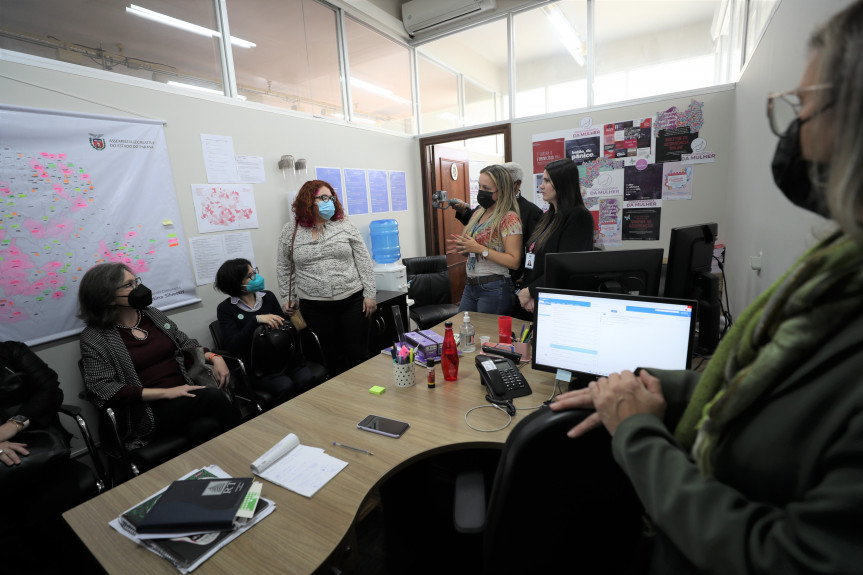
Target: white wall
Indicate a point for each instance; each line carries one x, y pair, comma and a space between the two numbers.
255, 132
710, 181
759, 217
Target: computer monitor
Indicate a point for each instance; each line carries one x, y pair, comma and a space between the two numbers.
618, 271
688, 275
591, 334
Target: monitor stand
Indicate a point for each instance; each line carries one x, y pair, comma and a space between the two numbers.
579, 382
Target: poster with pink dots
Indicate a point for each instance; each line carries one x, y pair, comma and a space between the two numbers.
76, 191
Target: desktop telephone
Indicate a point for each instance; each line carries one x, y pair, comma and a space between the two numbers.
501, 377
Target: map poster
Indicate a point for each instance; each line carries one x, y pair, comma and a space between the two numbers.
80, 190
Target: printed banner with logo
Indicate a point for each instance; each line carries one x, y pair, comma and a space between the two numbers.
75, 191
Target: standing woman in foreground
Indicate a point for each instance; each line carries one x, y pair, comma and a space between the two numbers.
567, 226
755, 466
324, 268
492, 242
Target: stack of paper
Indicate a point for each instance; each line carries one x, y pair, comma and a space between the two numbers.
300, 468
186, 550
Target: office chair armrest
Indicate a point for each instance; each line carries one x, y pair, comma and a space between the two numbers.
469, 506
75, 413
309, 339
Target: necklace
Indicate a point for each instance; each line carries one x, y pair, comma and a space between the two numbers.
134, 327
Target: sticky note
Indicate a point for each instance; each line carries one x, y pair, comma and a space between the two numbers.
167, 223
377, 389
563, 375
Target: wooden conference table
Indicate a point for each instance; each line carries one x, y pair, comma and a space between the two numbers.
304, 534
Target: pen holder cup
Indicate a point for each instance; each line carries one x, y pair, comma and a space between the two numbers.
403, 374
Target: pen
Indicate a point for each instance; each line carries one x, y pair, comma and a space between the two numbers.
354, 448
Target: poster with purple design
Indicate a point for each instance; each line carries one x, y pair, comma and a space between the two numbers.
642, 184
332, 176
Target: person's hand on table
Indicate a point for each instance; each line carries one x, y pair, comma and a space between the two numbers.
616, 397
11, 452
369, 307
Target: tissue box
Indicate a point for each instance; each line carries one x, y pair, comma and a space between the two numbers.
423, 344
435, 337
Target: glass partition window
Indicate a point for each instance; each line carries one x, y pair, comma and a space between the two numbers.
380, 79
477, 60
650, 47
551, 58
295, 63
157, 40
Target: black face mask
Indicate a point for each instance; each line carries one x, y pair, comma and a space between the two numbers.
791, 172
140, 297
484, 198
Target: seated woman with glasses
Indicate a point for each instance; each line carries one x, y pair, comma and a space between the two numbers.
132, 361
249, 306
324, 268
492, 242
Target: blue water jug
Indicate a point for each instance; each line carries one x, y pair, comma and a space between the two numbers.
385, 241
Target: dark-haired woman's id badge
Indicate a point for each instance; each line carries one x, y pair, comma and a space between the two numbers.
528, 261
471, 262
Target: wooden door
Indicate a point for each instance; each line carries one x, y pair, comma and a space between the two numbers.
452, 175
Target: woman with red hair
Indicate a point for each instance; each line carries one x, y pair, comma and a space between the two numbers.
324, 268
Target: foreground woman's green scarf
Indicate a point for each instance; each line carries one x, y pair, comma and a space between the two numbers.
772, 337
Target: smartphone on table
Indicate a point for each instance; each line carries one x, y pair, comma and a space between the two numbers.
383, 425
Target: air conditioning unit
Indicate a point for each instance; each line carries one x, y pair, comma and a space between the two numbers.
422, 15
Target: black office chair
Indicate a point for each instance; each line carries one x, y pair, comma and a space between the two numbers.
123, 463
310, 347
429, 288
50, 450
550, 493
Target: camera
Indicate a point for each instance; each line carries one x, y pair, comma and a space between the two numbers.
440, 201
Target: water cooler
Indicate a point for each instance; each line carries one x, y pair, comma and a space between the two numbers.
390, 275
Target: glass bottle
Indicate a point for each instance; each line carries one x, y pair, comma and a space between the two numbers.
449, 359
467, 335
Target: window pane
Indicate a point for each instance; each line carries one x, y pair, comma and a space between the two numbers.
478, 57
551, 58
103, 34
295, 64
380, 79
650, 47
438, 96
759, 16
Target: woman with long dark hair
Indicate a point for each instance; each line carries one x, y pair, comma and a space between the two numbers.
567, 226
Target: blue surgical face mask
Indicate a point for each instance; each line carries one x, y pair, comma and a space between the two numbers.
327, 209
255, 284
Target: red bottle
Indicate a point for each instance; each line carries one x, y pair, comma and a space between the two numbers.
449, 359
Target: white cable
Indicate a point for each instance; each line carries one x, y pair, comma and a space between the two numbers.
499, 408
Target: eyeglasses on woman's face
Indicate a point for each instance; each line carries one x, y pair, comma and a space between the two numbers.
784, 108
251, 275
323, 198
131, 284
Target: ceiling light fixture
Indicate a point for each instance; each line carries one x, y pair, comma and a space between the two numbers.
183, 25
568, 36
200, 89
378, 90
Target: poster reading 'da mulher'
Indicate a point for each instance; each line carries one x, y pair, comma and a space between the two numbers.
641, 219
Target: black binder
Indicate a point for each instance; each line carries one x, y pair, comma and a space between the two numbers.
196, 506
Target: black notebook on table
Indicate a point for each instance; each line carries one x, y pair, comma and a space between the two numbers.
196, 506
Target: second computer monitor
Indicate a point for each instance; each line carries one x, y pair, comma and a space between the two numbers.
617, 271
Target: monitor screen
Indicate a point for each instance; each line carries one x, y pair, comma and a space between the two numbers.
690, 254
593, 334
618, 271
